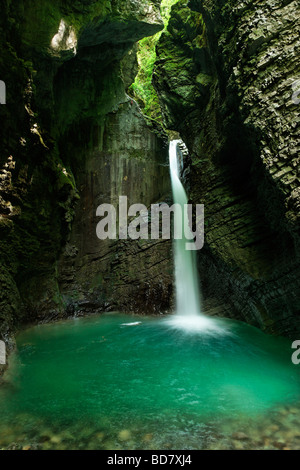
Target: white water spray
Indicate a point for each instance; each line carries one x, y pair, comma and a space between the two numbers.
189, 316
186, 276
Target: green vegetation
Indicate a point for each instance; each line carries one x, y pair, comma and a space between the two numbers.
142, 89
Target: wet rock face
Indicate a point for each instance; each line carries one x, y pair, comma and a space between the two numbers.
182, 69
243, 137
66, 69
128, 160
260, 64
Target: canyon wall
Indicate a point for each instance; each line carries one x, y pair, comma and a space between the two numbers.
72, 139
225, 73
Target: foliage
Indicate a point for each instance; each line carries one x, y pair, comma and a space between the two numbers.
142, 89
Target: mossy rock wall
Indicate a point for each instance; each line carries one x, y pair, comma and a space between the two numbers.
224, 75
64, 65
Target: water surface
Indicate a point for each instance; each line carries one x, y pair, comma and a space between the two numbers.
117, 381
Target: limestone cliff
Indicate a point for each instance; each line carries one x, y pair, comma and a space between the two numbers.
72, 139
225, 75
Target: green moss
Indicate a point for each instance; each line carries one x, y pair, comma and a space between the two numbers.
142, 89
182, 73
204, 79
41, 20
97, 281
64, 177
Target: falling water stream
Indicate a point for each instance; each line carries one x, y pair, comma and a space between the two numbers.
184, 381
189, 314
186, 276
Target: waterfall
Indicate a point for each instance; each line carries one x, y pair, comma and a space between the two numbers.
186, 277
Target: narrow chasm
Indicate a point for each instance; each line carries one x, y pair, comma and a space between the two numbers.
149, 226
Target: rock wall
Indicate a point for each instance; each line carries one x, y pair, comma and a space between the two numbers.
70, 140
224, 74
128, 160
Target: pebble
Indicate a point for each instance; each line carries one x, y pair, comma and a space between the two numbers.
148, 437
273, 428
238, 445
100, 436
279, 429
240, 436
279, 444
110, 446
284, 411
55, 439
124, 435
44, 438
